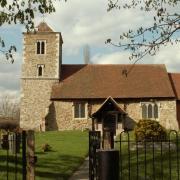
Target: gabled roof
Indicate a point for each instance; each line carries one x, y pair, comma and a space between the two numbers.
175, 80
102, 81
108, 104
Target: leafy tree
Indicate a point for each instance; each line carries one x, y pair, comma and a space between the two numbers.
21, 12
148, 40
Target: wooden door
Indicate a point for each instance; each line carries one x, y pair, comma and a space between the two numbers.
110, 123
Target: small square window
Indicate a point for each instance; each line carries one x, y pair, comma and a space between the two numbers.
79, 110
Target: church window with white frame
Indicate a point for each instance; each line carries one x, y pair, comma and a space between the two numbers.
144, 111
79, 110
40, 70
40, 47
150, 110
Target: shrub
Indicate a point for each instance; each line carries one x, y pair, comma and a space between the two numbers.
46, 147
147, 129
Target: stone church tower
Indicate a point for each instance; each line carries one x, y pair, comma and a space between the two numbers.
41, 68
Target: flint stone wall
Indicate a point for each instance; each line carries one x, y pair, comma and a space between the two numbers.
35, 103
36, 91
65, 120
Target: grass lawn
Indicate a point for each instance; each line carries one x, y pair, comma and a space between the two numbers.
69, 148
156, 164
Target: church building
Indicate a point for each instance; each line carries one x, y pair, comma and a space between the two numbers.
56, 96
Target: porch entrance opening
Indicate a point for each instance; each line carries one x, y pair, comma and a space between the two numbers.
109, 119
110, 123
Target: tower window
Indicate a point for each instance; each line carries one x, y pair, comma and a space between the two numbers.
40, 46
40, 70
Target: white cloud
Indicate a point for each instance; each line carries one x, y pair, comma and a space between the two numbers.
10, 75
88, 22
10, 93
111, 58
168, 55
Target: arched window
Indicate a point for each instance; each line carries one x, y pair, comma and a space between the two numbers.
155, 111
38, 47
150, 115
39, 71
150, 110
144, 111
42, 47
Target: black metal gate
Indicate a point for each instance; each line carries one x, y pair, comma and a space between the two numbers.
13, 156
154, 159
94, 144
151, 159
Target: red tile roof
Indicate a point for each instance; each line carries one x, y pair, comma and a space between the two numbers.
43, 27
102, 81
175, 79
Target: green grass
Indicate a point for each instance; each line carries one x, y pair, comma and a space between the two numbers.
149, 165
69, 148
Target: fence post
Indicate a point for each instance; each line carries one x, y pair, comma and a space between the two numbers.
31, 155
24, 162
108, 164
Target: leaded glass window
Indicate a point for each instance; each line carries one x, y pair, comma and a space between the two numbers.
156, 111
144, 111
150, 110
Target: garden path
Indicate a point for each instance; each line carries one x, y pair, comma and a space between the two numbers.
83, 172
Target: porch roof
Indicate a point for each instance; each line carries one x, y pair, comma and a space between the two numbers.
107, 105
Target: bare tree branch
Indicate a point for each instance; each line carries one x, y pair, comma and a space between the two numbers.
9, 107
149, 40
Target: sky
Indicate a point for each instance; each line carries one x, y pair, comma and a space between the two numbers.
84, 23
